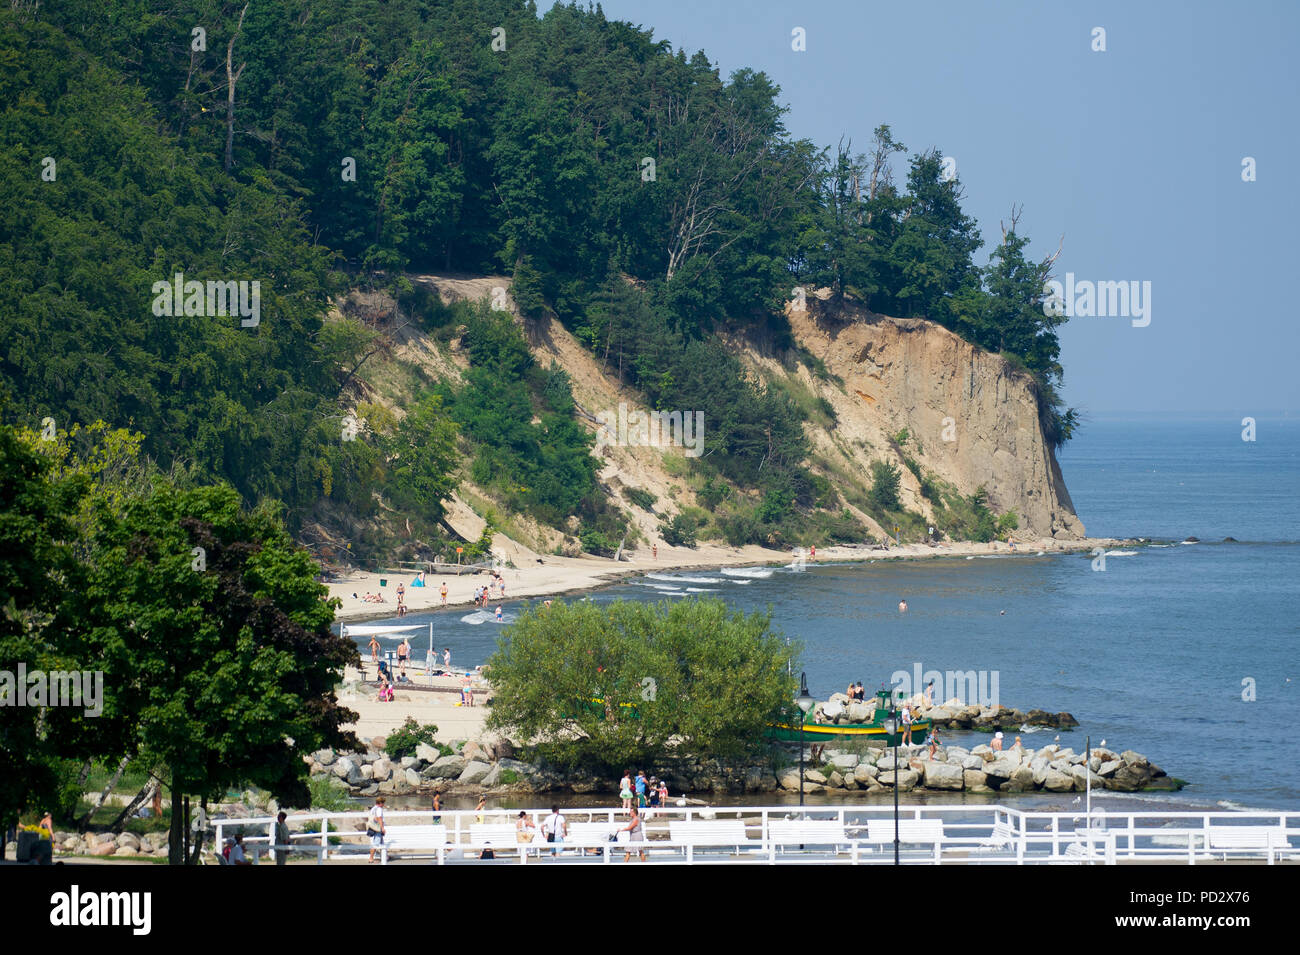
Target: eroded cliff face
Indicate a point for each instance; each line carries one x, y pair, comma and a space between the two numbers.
972, 418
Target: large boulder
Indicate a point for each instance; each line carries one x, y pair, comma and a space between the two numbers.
383, 770
128, 839
814, 776
859, 712
1039, 769
1058, 782
412, 778
907, 779
474, 773
843, 761
1002, 768
426, 753
367, 771
410, 762
975, 780
835, 780
790, 780
342, 766
973, 761
356, 778
446, 767
325, 757
103, 848
865, 774
943, 776
1022, 778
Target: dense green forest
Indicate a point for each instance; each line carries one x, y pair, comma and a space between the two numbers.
630, 191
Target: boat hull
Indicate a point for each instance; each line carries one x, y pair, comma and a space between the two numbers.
821, 734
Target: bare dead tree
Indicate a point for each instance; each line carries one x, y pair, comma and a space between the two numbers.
232, 77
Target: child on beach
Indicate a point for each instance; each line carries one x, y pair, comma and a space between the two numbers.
498, 614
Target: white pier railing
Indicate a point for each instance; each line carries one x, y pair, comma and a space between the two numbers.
855, 835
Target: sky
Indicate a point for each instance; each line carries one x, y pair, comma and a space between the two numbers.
1133, 154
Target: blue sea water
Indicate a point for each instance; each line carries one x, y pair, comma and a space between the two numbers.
1159, 652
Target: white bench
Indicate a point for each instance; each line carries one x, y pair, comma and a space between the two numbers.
712, 833
1226, 839
1002, 836
816, 832
910, 831
414, 839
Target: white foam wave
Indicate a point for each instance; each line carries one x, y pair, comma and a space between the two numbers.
682, 579
1121, 553
701, 590
748, 571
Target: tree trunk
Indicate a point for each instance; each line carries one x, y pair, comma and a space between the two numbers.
232, 77
84, 821
175, 851
145, 792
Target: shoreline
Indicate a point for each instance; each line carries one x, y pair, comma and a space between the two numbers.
553, 576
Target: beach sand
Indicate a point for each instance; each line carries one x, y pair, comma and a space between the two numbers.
553, 576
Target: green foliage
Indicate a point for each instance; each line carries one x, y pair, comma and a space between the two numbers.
641, 498
324, 793
693, 670
403, 740
595, 542
883, 495
680, 531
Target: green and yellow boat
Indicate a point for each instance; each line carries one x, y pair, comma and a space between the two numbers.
824, 734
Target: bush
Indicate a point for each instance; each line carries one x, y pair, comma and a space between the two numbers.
641, 498
883, 495
693, 672
402, 741
595, 542
680, 531
713, 493
328, 795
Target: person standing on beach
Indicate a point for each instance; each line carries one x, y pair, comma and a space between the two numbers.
625, 789
655, 551
641, 788
444, 593
403, 651
374, 649
375, 826
401, 591
446, 658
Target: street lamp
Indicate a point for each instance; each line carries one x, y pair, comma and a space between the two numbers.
805, 703
891, 731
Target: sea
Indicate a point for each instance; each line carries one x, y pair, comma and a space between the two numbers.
1187, 651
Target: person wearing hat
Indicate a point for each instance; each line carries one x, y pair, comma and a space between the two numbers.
997, 742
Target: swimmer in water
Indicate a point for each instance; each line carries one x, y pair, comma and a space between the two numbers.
498, 614
902, 606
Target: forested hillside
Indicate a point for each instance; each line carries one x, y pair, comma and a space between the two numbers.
660, 212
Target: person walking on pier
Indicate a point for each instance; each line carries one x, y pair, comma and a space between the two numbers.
635, 830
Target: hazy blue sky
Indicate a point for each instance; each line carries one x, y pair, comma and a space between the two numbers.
1134, 154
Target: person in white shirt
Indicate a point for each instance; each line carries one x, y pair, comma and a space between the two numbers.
375, 826
237, 856
555, 828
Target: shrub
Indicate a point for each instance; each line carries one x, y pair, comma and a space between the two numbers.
680, 531
883, 495
641, 498
595, 542
402, 741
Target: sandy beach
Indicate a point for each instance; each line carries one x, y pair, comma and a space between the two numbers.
553, 576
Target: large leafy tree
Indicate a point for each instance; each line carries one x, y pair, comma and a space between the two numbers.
215, 642
37, 530
692, 675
